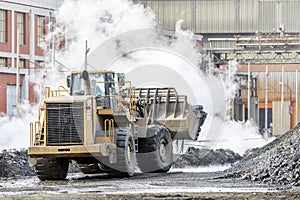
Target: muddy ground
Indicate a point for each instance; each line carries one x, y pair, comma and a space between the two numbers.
173, 185
270, 172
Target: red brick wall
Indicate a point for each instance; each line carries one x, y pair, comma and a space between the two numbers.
32, 98
6, 79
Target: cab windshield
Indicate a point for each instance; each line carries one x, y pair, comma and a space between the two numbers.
100, 84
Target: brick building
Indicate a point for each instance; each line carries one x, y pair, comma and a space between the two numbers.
25, 23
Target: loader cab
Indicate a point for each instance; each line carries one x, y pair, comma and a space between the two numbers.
103, 85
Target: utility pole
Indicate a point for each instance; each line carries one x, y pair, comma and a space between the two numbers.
296, 96
282, 102
249, 86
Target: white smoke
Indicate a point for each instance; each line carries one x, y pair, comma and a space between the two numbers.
237, 136
14, 132
96, 21
240, 137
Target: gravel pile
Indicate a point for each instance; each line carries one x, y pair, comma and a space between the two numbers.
205, 157
276, 163
14, 163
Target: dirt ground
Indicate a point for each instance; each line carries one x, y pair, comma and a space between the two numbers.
175, 196
270, 172
174, 185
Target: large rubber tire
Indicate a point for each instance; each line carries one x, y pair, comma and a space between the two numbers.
92, 168
155, 153
52, 168
126, 157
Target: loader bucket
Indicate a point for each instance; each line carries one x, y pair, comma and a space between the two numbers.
173, 111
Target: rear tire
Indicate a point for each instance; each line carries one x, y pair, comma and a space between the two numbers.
52, 168
155, 153
92, 168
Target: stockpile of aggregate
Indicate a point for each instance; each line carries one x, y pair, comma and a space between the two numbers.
276, 163
14, 163
195, 157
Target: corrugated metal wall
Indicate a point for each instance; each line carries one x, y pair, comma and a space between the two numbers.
274, 86
274, 93
276, 118
227, 16
209, 12
275, 12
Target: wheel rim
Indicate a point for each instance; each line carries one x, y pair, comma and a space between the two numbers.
129, 153
163, 150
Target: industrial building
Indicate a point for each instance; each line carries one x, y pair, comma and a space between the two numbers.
25, 23
258, 34
255, 33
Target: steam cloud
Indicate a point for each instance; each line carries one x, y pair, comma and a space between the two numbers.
96, 21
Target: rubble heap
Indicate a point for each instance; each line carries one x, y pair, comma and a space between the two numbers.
205, 157
276, 163
14, 163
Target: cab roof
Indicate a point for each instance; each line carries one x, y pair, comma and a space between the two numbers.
93, 71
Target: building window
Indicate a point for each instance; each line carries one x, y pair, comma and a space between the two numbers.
21, 27
3, 26
22, 63
40, 64
40, 30
3, 62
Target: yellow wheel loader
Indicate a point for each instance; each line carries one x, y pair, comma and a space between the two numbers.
107, 126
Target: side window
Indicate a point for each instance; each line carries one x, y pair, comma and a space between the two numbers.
97, 85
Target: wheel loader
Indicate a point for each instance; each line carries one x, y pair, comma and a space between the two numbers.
105, 125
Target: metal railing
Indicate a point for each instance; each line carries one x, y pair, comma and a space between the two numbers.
109, 129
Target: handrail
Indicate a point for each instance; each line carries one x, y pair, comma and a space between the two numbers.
113, 130
31, 133
109, 129
46, 92
64, 89
37, 127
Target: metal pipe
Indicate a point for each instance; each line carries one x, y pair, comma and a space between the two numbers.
296, 96
52, 41
249, 91
18, 75
266, 103
290, 107
13, 38
282, 101
209, 63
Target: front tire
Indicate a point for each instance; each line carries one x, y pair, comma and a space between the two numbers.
126, 157
156, 152
52, 168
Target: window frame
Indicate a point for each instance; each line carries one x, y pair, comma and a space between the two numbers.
3, 62
40, 64
3, 26
21, 27
41, 30
22, 63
